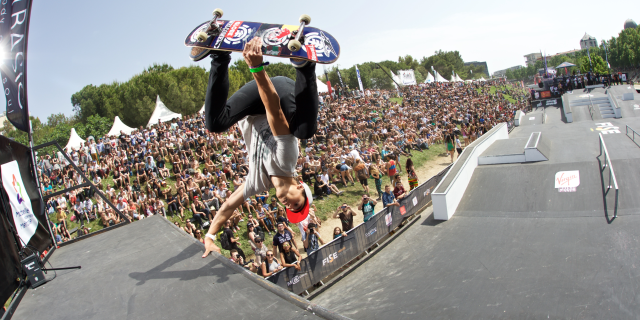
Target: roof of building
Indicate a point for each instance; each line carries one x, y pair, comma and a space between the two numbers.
588, 37
630, 24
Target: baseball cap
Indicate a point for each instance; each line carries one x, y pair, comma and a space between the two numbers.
297, 216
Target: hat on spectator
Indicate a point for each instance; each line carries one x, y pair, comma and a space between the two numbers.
297, 216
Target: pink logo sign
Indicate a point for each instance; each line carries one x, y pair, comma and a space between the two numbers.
568, 179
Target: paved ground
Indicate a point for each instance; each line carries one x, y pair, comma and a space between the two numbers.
517, 247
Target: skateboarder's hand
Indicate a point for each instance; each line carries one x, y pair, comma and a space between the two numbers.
253, 52
209, 246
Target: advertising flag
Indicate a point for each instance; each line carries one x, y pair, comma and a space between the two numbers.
14, 30
340, 77
25, 221
359, 80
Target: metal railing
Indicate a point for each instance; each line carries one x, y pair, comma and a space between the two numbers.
590, 107
633, 136
612, 175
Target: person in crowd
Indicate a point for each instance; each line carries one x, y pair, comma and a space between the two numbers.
270, 265
367, 205
312, 240
399, 192
337, 233
412, 176
345, 214
388, 199
290, 257
281, 237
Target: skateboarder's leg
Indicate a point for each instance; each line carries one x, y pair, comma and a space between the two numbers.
302, 112
220, 113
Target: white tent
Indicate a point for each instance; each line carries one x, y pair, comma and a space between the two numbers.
439, 78
430, 78
119, 125
456, 77
481, 79
74, 141
322, 87
201, 109
162, 114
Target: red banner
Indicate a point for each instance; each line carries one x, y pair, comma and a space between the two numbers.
329, 87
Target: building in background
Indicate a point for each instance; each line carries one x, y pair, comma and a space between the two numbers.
630, 24
588, 41
502, 73
531, 58
481, 64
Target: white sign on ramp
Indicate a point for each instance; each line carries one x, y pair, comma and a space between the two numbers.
567, 181
23, 217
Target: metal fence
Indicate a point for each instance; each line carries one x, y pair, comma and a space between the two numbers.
335, 254
633, 135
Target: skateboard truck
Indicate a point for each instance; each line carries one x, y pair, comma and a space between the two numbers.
295, 44
214, 28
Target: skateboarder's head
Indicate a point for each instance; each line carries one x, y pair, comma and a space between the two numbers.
297, 202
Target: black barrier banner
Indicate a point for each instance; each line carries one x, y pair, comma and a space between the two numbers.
334, 255
10, 151
14, 31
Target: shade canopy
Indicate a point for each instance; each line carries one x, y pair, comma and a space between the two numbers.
162, 114
565, 65
118, 126
74, 141
322, 87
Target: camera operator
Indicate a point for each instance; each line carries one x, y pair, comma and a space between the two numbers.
311, 241
368, 207
345, 214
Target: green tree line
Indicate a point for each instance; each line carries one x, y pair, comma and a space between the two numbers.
621, 51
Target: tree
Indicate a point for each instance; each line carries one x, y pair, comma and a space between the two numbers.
598, 64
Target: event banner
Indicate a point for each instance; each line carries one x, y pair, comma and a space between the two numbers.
14, 29
24, 219
359, 79
334, 255
407, 77
340, 77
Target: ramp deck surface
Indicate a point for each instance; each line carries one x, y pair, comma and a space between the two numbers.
516, 248
149, 270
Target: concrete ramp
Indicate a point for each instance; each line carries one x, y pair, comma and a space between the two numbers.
516, 150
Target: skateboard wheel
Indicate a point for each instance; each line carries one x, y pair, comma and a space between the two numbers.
202, 36
294, 45
305, 18
218, 12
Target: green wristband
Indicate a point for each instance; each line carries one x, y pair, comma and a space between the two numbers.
258, 69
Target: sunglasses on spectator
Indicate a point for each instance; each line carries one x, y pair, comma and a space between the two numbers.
270, 255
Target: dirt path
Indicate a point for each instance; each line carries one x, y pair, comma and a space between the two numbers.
426, 171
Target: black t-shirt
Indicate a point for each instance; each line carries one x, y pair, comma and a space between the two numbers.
347, 221
279, 239
229, 234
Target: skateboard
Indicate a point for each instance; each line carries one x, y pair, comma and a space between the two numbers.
278, 40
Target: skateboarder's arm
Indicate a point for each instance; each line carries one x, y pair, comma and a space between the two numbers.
225, 212
277, 121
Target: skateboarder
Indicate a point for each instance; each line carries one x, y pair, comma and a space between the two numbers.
272, 114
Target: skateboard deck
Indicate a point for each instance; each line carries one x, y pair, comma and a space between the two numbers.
317, 45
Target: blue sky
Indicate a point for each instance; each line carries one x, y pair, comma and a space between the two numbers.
74, 43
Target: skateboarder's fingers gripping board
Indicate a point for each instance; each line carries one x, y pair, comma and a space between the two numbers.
298, 100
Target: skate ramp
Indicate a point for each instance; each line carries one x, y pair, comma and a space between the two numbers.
152, 270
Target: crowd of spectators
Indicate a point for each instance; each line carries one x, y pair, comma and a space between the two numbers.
180, 170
